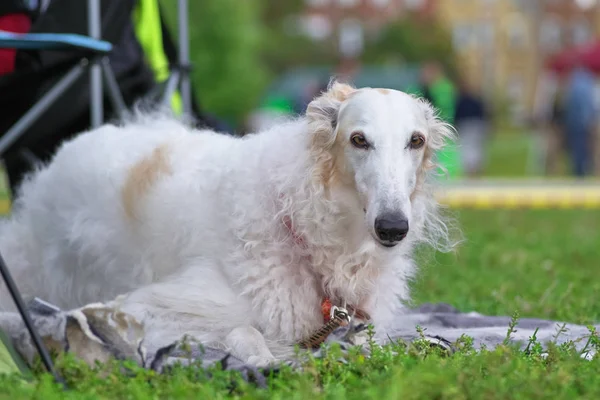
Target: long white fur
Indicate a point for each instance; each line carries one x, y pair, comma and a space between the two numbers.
207, 253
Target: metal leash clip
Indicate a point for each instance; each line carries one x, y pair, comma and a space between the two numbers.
339, 316
340, 313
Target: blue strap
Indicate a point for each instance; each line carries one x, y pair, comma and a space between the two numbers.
52, 41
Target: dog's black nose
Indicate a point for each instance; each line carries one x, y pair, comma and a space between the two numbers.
391, 228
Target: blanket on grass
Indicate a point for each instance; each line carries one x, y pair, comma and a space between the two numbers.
99, 332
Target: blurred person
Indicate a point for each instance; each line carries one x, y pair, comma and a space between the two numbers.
580, 118
596, 133
440, 91
596, 151
473, 127
555, 131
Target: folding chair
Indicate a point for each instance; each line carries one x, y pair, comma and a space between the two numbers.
55, 65
145, 73
74, 55
96, 51
93, 58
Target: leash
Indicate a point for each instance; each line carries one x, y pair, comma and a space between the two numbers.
335, 317
339, 317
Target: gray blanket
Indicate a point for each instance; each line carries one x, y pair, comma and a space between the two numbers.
98, 332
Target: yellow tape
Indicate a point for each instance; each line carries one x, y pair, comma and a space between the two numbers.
495, 198
522, 197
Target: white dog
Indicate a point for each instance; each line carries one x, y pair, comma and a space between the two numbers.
236, 241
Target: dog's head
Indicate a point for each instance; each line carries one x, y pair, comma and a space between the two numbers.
378, 144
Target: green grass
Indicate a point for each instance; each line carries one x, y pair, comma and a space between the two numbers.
542, 263
539, 264
508, 154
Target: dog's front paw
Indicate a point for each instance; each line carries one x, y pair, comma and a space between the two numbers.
262, 362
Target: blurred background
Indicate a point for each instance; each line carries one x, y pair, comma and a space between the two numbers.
515, 76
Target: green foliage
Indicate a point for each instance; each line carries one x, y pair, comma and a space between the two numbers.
237, 47
283, 47
398, 370
10, 361
283, 51
412, 40
225, 42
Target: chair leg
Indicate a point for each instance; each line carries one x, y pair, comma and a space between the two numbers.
171, 87
95, 76
112, 87
25, 122
35, 337
184, 57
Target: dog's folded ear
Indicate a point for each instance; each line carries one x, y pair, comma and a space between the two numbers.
323, 111
441, 132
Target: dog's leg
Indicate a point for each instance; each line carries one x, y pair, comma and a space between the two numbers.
247, 343
205, 310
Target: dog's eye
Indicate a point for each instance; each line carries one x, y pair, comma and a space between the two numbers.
416, 141
358, 140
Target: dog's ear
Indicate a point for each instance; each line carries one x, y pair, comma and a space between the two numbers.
323, 111
441, 133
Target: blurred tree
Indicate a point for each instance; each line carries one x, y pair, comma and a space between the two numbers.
285, 45
412, 40
225, 42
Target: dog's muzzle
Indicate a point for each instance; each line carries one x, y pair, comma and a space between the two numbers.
391, 229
